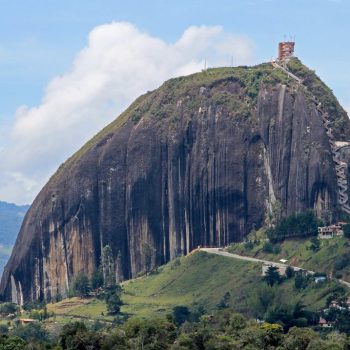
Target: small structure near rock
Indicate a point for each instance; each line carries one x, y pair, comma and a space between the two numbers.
320, 279
324, 323
25, 321
331, 231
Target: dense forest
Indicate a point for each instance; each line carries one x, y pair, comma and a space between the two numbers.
183, 329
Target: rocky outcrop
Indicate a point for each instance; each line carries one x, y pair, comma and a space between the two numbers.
201, 161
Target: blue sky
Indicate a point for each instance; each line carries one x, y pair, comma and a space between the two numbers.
40, 40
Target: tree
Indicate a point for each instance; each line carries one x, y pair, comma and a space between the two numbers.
262, 299
315, 244
97, 279
289, 272
116, 340
12, 343
31, 332
68, 333
291, 314
8, 308
150, 334
113, 299
276, 213
295, 225
237, 322
108, 267
342, 261
81, 285
148, 253
4, 329
272, 276
346, 229
299, 338
225, 301
300, 281
181, 314
272, 335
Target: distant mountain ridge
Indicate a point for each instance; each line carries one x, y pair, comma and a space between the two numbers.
11, 217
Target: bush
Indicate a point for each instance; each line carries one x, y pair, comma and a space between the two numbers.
176, 262
225, 301
113, 299
12, 343
8, 308
69, 331
268, 247
30, 332
97, 279
58, 298
4, 329
342, 262
249, 245
289, 272
315, 244
300, 281
181, 314
346, 229
338, 275
271, 248
81, 285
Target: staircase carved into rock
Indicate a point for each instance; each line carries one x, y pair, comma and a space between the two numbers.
340, 166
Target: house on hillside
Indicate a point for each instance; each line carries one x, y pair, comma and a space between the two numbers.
324, 323
25, 321
336, 305
335, 230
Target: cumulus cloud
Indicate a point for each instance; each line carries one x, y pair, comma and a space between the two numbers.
119, 63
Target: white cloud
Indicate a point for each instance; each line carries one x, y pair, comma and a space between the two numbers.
119, 63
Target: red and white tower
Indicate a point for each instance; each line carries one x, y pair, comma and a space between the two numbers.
285, 50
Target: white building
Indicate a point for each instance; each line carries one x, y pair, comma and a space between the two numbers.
331, 231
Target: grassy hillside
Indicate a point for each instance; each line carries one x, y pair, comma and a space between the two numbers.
333, 255
200, 282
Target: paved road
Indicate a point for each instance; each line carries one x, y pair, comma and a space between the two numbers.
218, 251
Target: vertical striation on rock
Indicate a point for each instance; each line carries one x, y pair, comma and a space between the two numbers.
200, 161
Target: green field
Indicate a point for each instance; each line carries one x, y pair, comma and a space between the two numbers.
198, 281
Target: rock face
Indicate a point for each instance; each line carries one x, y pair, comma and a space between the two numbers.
201, 161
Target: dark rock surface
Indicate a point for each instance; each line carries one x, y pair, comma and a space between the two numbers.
201, 161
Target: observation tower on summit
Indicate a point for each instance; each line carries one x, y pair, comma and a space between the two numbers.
286, 50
